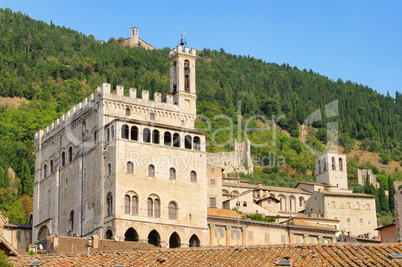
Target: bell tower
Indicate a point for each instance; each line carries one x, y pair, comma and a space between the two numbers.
331, 168
182, 78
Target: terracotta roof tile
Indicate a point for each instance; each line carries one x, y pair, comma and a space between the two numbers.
301, 255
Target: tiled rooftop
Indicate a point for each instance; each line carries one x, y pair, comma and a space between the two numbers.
300, 255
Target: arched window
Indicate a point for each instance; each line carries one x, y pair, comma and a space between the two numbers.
127, 204
109, 169
134, 205
244, 203
187, 75
292, 203
172, 211
155, 136
124, 131
325, 165
282, 203
146, 135
174, 89
172, 174
134, 133
152, 116
197, 143
193, 176
357, 205
157, 208
333, 164
237, 203
340, 164
150, 207
319, 166
108, 135
301, 201
151, 170
176, 140
112, 132
70, 154
109, 201
71, 220
167, 139
63, 158
348, 222
130, 167
187, 142
361, 223
127, 112
44, 171
51, 166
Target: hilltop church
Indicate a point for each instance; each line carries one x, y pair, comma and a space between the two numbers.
135, 169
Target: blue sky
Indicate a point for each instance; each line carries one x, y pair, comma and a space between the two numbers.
357, 40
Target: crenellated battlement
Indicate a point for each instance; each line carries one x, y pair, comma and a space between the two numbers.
182, 50
104, 92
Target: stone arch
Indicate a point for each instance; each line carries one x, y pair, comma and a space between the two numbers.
43, 233
131, 235
174, 241
154, 238
108, 234
194, 241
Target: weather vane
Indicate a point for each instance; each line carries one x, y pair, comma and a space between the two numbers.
182, 42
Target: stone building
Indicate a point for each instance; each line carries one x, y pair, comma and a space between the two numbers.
363, 175
123, 167
266, 200
388, 233
332, 199
135, 41
237, 160
230, 230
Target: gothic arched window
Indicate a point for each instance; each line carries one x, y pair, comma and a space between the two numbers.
172, 211
109, 200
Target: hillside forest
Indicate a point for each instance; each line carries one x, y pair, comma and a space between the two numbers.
54, 67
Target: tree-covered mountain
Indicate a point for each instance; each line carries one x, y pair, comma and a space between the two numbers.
55, 68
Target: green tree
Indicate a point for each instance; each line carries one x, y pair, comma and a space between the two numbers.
4, 260
1, 177
6, 178
11, 206
385, 158
26, 179
383, 199
391, 193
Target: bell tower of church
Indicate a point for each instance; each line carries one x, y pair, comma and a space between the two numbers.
330, 168
182, 78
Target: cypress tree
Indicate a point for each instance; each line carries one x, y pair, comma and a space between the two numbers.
383, 199
26, 179
1, 177
6, 178
392, 191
